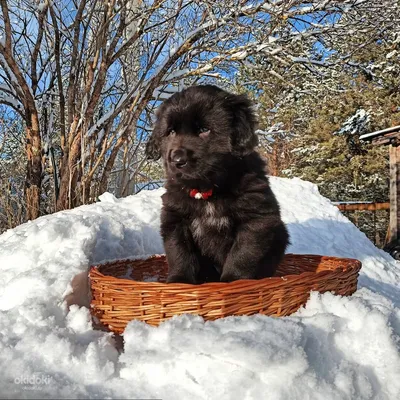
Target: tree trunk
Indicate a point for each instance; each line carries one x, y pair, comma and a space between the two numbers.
62, 201
33, 181
70, 176
68, 196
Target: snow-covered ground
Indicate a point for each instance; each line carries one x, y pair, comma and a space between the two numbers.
334, 348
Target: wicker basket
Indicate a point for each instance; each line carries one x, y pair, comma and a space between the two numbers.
127, 290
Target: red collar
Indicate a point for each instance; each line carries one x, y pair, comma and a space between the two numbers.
200, 195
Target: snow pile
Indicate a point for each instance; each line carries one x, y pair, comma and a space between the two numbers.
356, 125
334, 348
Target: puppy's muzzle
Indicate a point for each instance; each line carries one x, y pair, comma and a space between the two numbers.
179, 158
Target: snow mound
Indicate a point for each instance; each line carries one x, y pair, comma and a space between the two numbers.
333, 348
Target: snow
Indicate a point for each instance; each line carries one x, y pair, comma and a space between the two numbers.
333, 348
176, 74
164, 91
100, 137
105, 118
391, 54
308, 61
10, 100
357, 124
239, 55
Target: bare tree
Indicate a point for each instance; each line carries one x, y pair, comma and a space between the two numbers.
20, 92
12, 169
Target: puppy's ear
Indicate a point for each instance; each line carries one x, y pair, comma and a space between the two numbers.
153, 150
153, 146
244, 139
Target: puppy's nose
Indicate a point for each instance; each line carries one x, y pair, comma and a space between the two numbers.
179, 158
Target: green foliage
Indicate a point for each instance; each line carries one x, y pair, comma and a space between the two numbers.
320, 148
343, 169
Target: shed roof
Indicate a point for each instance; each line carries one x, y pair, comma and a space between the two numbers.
373, 135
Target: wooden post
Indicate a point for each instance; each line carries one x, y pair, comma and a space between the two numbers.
394, 224
363, 206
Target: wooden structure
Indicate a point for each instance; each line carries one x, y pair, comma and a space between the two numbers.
351, 208
390, 137
361, 206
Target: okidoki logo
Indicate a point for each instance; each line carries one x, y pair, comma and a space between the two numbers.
33, 380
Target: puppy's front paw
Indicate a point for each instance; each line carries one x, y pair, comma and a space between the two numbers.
180, 279
235, 275
229, 277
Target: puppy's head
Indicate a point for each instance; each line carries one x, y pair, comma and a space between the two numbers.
196, 128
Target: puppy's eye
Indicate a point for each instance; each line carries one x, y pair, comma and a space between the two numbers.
171, 132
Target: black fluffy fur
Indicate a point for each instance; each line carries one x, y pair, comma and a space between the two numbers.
238, 232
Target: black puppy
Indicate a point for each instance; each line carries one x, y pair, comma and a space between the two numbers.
220, 219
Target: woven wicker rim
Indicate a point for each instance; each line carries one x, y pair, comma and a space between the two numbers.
344, 265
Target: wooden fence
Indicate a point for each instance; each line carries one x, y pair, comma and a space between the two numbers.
352, 207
